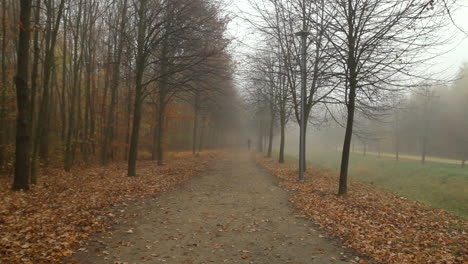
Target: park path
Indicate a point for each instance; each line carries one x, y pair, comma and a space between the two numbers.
234, 213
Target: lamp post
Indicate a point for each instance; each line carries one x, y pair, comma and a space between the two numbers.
303, 34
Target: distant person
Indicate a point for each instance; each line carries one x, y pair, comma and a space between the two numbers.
248, 143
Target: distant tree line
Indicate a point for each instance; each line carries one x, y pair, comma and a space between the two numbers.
430, 121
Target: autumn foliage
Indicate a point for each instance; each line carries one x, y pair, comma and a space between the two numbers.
375, 222
48, 223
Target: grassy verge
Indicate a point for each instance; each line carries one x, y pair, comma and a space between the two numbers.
441, 185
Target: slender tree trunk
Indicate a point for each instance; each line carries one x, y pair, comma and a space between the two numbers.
23, 128
270, 132
423, 150
64, 82
3, 87
351, 72
154, 148
140, 68
343, 185
129, 118
282, 139
135, 131
160, 141
397, 149
34, 76
202, 131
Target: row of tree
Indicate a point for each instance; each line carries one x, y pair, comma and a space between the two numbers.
430, 121
360, 56
94, 79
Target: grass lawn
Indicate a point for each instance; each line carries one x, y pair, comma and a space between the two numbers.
440, 185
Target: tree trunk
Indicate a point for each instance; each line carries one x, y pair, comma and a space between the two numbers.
3, 88
135, 132
397, 149
64, 83
352, 69
129, 112
23, 129
160, 131
140, 68
34, 76
202, 131
154, 149
282, 139
270, 133
343, 185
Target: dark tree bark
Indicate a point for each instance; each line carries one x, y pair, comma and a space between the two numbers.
282, 138
140, 68
343, 185
351, 101
23, 129
34, 76
3, 87
161, 115
64, 82
202, 131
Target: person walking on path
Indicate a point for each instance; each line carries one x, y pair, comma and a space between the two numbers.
248, 143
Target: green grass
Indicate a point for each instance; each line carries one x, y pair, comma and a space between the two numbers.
439, 185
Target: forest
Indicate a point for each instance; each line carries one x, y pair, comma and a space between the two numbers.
218, 131
103, 80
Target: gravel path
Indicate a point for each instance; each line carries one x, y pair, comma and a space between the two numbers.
235, 213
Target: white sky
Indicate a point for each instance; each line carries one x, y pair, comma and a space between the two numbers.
454, 55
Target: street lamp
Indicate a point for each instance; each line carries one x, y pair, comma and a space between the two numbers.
303, 34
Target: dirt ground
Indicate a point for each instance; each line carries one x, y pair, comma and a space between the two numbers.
235, 213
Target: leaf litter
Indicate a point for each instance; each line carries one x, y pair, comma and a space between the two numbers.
48, 223
373, 221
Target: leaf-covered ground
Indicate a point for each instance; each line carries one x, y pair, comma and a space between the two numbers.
49, 222
375, 222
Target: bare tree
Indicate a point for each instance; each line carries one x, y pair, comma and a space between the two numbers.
376, 43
